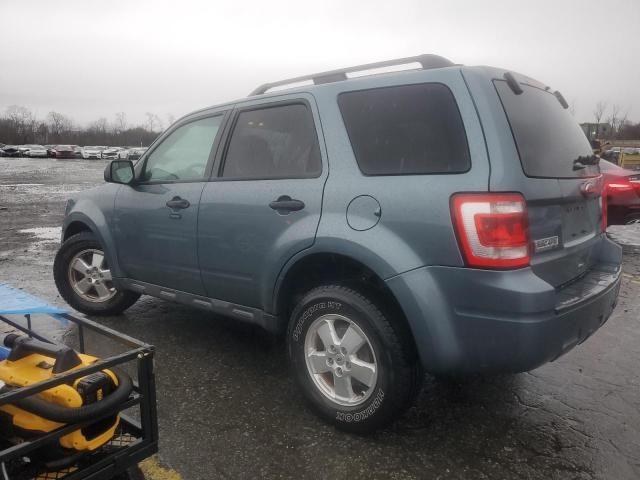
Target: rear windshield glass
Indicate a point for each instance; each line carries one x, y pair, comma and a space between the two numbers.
550, 142
406, 130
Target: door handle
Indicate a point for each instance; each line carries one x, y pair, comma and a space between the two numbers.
285, 205
177, 203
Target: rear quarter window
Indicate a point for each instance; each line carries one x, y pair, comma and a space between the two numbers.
406, 130
550, 142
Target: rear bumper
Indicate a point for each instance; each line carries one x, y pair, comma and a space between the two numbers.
467, 320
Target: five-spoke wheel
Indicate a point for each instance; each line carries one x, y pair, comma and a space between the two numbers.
340, 359
90, 277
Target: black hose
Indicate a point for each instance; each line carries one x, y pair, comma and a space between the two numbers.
56, 413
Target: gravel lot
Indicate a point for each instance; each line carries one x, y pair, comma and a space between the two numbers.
228, 408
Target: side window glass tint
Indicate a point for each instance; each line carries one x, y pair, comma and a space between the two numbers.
406, 130
273, 142
184, 154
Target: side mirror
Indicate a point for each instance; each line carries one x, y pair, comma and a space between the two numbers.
119, 171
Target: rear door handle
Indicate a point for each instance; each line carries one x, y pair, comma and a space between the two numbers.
177, 203
285, 205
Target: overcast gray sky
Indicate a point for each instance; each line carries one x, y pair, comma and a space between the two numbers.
89, 59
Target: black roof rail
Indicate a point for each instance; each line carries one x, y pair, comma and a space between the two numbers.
427, 61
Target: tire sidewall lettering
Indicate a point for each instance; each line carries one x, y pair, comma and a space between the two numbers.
309, 312
353, 417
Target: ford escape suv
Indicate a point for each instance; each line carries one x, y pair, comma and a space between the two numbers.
444, 218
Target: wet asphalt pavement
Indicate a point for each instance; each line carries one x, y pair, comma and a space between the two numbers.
228, 409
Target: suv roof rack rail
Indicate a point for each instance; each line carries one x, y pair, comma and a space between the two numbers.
428, 61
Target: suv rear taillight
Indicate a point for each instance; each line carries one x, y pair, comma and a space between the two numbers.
492, 229
603, 209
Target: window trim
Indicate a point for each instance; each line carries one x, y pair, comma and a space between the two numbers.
455, 102
161, 139
233, 120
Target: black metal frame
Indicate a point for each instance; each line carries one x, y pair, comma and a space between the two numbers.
144, 431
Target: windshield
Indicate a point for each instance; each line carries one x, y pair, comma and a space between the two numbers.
550, 142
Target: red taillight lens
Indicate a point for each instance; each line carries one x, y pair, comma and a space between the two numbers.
619, 186
492, 229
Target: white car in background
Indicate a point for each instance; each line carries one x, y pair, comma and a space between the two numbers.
132, 153
92, 152
36, 151
111, 153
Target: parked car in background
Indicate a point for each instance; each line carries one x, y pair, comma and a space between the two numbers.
77, 151
611, 156
111, 153
92, 152
10, 151
63, 151
49, 150
134, 154
623, 194
36, 151
447, 219
23, 150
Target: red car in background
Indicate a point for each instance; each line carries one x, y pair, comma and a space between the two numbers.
623, 194
63, 151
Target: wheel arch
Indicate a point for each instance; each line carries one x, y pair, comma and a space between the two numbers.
327, 267
77, 222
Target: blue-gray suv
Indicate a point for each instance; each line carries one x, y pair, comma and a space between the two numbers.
443, 218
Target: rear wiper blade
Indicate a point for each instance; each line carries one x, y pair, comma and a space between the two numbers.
585, 161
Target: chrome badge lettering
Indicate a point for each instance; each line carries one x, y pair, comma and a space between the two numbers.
545, 244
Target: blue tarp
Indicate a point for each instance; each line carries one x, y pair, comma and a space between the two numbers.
17, 302
4, 353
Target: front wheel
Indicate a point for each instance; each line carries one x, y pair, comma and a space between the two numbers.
83, 278
357, 369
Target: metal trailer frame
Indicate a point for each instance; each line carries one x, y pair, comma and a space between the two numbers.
97, 465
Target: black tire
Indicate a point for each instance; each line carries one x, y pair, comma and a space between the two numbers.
122, 300
398, 371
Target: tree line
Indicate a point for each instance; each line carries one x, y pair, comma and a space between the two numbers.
19, 126
620, 128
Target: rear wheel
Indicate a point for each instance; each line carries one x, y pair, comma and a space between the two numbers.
355, 367
84, 280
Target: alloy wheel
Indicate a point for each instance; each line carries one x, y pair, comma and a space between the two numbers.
340, 360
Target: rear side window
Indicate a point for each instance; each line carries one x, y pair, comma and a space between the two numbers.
273, 142
550, 142
405, 130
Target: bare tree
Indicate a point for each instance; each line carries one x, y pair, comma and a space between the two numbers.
614, 120
622, 122
153, 122
120, 124
59, 124
18, 114
598, 113
23, 121
170, 119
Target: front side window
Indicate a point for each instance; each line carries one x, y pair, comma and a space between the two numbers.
184, 154
273, 142
406, 130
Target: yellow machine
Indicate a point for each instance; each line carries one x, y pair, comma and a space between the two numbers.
630, 160
91, 397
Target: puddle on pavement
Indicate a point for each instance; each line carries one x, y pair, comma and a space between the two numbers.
44, 234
